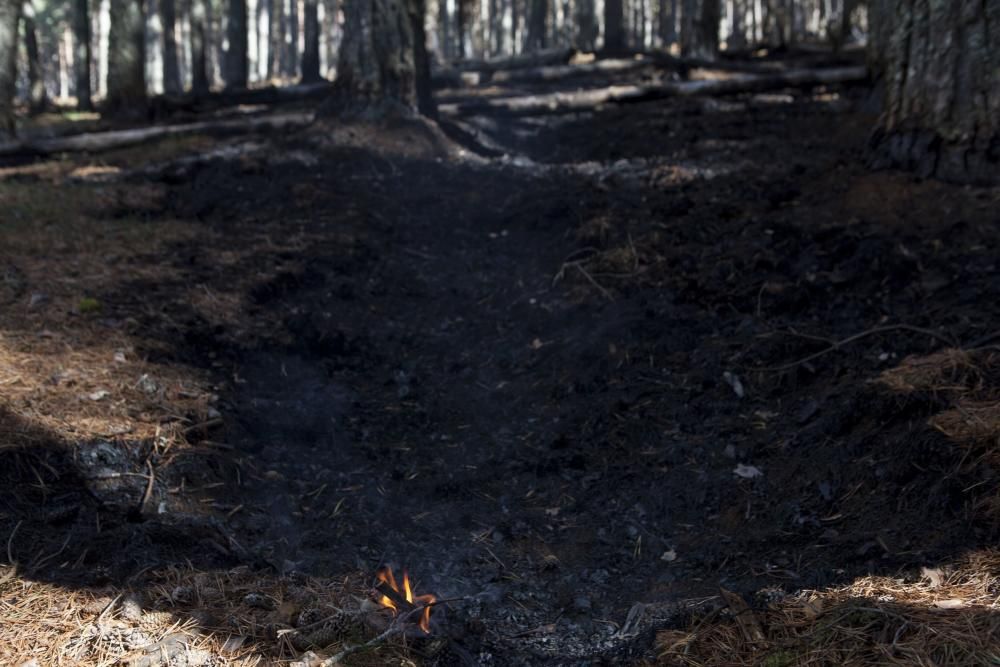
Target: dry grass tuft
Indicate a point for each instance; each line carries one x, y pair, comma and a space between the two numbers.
948, 617
945, 373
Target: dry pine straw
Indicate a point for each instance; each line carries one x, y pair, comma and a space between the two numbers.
947, 617
224, 618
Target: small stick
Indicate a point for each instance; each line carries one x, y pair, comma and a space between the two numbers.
604, 292
385, 589
337, 658
150, 480
858, 336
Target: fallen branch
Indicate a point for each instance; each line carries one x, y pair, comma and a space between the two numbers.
587, 100
104, 141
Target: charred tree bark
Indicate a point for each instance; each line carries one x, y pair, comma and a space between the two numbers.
538, 11
941, 69
10, 15
700, 29
171, 69
36, 79
614, 26
237, 63
421, 59
376, 68
126, 58
199, 45
586, 25
667, 21
81, 54
310, 50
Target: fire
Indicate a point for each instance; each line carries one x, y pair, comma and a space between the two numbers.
385, 576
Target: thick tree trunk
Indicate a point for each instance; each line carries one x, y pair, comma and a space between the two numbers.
310, 50
81, 54
614, 26
36, 79
700, 29
199, 45
941, 69
667, 21
421, 60
126, 58
537, 13
376, 68
171, 70
586, 25
236, 62
10, 15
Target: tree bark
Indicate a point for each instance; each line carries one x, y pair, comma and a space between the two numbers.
10, 15
199, 42
171, 70
236, 61
537, 13
126, 58
421, 60
614, 26
81, 54
376, 68
36, 79
290, 59
941, 69
586, 25
700, 29
310, 51
275, 37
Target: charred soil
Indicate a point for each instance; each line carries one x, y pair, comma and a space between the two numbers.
655, 353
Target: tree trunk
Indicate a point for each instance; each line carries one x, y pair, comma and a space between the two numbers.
376, 68
236, 62
941, 68
199, 43
36, 79
171, 70
700, 29
10, 15
290, 59
310, 50
614, 26
275, 37
81, 54
667, 22
126, 58
421, 60
538, 11
586, 25
708, 27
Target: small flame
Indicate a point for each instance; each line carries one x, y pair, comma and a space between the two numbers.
385, 576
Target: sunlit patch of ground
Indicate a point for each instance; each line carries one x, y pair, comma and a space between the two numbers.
950, 615
180, 616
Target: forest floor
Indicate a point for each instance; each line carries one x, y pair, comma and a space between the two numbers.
657, 350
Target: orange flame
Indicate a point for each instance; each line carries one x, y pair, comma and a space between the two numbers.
385, 576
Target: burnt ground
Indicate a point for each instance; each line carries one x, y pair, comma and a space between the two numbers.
532, 380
